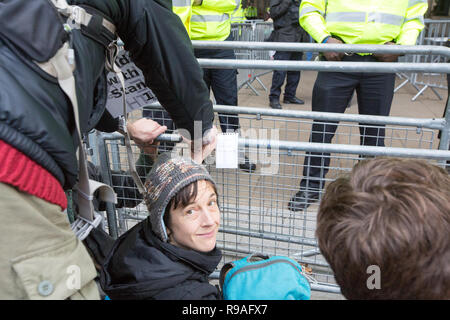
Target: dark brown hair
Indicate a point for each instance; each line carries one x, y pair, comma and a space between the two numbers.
394, 214
185, 196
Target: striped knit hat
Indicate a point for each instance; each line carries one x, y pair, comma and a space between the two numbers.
168, 176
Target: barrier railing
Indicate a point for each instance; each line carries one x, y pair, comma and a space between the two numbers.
436, 32
251, 31
253, 205
255, 215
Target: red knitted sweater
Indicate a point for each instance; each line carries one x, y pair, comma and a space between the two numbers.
18, 170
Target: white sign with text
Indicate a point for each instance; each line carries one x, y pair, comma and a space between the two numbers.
137, 94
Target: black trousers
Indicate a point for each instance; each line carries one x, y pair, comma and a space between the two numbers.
278, 77
223, 83
332, 93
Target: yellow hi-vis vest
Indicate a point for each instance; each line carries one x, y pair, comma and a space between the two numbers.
251, 12
364, 21
183, 8
238, 15
211, 20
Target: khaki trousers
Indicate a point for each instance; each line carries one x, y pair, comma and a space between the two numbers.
40, 256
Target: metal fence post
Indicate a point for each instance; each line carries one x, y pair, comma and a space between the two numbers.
445, 133
106, 176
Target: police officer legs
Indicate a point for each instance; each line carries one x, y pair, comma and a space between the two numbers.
223, 83
332, 93
380, 22
292, 80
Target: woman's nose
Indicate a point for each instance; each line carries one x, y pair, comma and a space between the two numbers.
207, 217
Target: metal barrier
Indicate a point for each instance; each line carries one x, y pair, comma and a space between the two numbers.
254, 205
251, 31
436, 33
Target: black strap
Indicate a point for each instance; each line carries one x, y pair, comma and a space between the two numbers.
95, 30
223, 272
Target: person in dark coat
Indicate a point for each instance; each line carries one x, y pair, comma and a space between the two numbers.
286, 29
169, 255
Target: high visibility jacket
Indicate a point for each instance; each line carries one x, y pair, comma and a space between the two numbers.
183, 8
251, 12
211, 20
364, 21
238, 15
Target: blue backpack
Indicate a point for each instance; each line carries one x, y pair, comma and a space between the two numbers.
266, 278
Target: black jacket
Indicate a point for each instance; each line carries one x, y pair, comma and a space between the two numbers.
36, 116
285, 15
140, 266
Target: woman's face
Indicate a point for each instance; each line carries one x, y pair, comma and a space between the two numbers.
195, 226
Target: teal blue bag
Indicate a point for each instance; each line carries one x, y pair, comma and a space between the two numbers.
260, 277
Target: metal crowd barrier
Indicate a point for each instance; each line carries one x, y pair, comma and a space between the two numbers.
436, 33
255, 217
251, 31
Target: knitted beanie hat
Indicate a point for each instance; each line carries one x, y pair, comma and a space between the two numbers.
168, 176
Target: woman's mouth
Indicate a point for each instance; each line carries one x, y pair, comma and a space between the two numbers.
208, 234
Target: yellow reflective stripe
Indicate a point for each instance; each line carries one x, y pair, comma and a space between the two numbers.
181, 3
378, 17
238, 5
420, 18
210, 18
412, 3
346, 17
385, 18
310, 9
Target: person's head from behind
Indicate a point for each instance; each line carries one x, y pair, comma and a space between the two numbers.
182, 201
385, 230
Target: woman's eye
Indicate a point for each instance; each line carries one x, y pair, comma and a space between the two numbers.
212, 202
189, 212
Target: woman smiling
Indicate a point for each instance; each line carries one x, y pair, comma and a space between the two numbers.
170, 254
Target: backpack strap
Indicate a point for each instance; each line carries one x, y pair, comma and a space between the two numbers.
61, 64
113, 51
223, 272
83, 16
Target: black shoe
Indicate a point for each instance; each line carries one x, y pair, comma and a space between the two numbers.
247, 166
275, 104
293, 100
302, 200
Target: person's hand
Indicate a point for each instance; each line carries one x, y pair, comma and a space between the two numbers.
150, 150
144, 132
333, 56
207, 145
388, 57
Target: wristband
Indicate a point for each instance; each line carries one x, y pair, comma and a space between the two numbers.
326, 39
